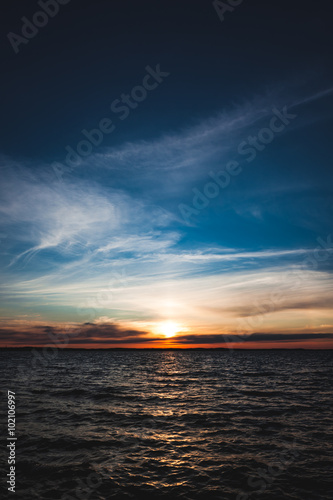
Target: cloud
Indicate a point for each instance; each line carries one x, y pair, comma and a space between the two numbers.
255, 337
73, 218
86, 333
185, 155
315, 97
293, 303
188, 147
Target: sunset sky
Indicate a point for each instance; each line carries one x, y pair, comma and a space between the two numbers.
202, 214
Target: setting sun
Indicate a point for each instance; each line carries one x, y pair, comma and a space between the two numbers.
169, 328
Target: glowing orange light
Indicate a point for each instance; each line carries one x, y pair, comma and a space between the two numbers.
169, 328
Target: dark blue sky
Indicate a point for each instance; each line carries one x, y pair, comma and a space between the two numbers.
90, 52
208, 186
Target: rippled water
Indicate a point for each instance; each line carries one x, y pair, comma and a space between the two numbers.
170, 424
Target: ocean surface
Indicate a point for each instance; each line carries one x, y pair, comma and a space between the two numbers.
170, 424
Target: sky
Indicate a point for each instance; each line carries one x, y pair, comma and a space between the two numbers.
166, 174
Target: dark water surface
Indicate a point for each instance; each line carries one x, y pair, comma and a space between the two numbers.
170, 424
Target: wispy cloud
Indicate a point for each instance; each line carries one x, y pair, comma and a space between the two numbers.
194, 148
74, 218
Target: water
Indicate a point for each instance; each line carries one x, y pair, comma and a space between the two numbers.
171, 424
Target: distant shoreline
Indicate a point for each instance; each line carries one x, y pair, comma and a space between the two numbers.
30, 348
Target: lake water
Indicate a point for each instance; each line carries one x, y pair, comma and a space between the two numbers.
170, 424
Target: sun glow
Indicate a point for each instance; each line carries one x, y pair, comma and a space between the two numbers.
169, 328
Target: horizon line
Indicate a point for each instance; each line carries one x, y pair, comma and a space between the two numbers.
166, 348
